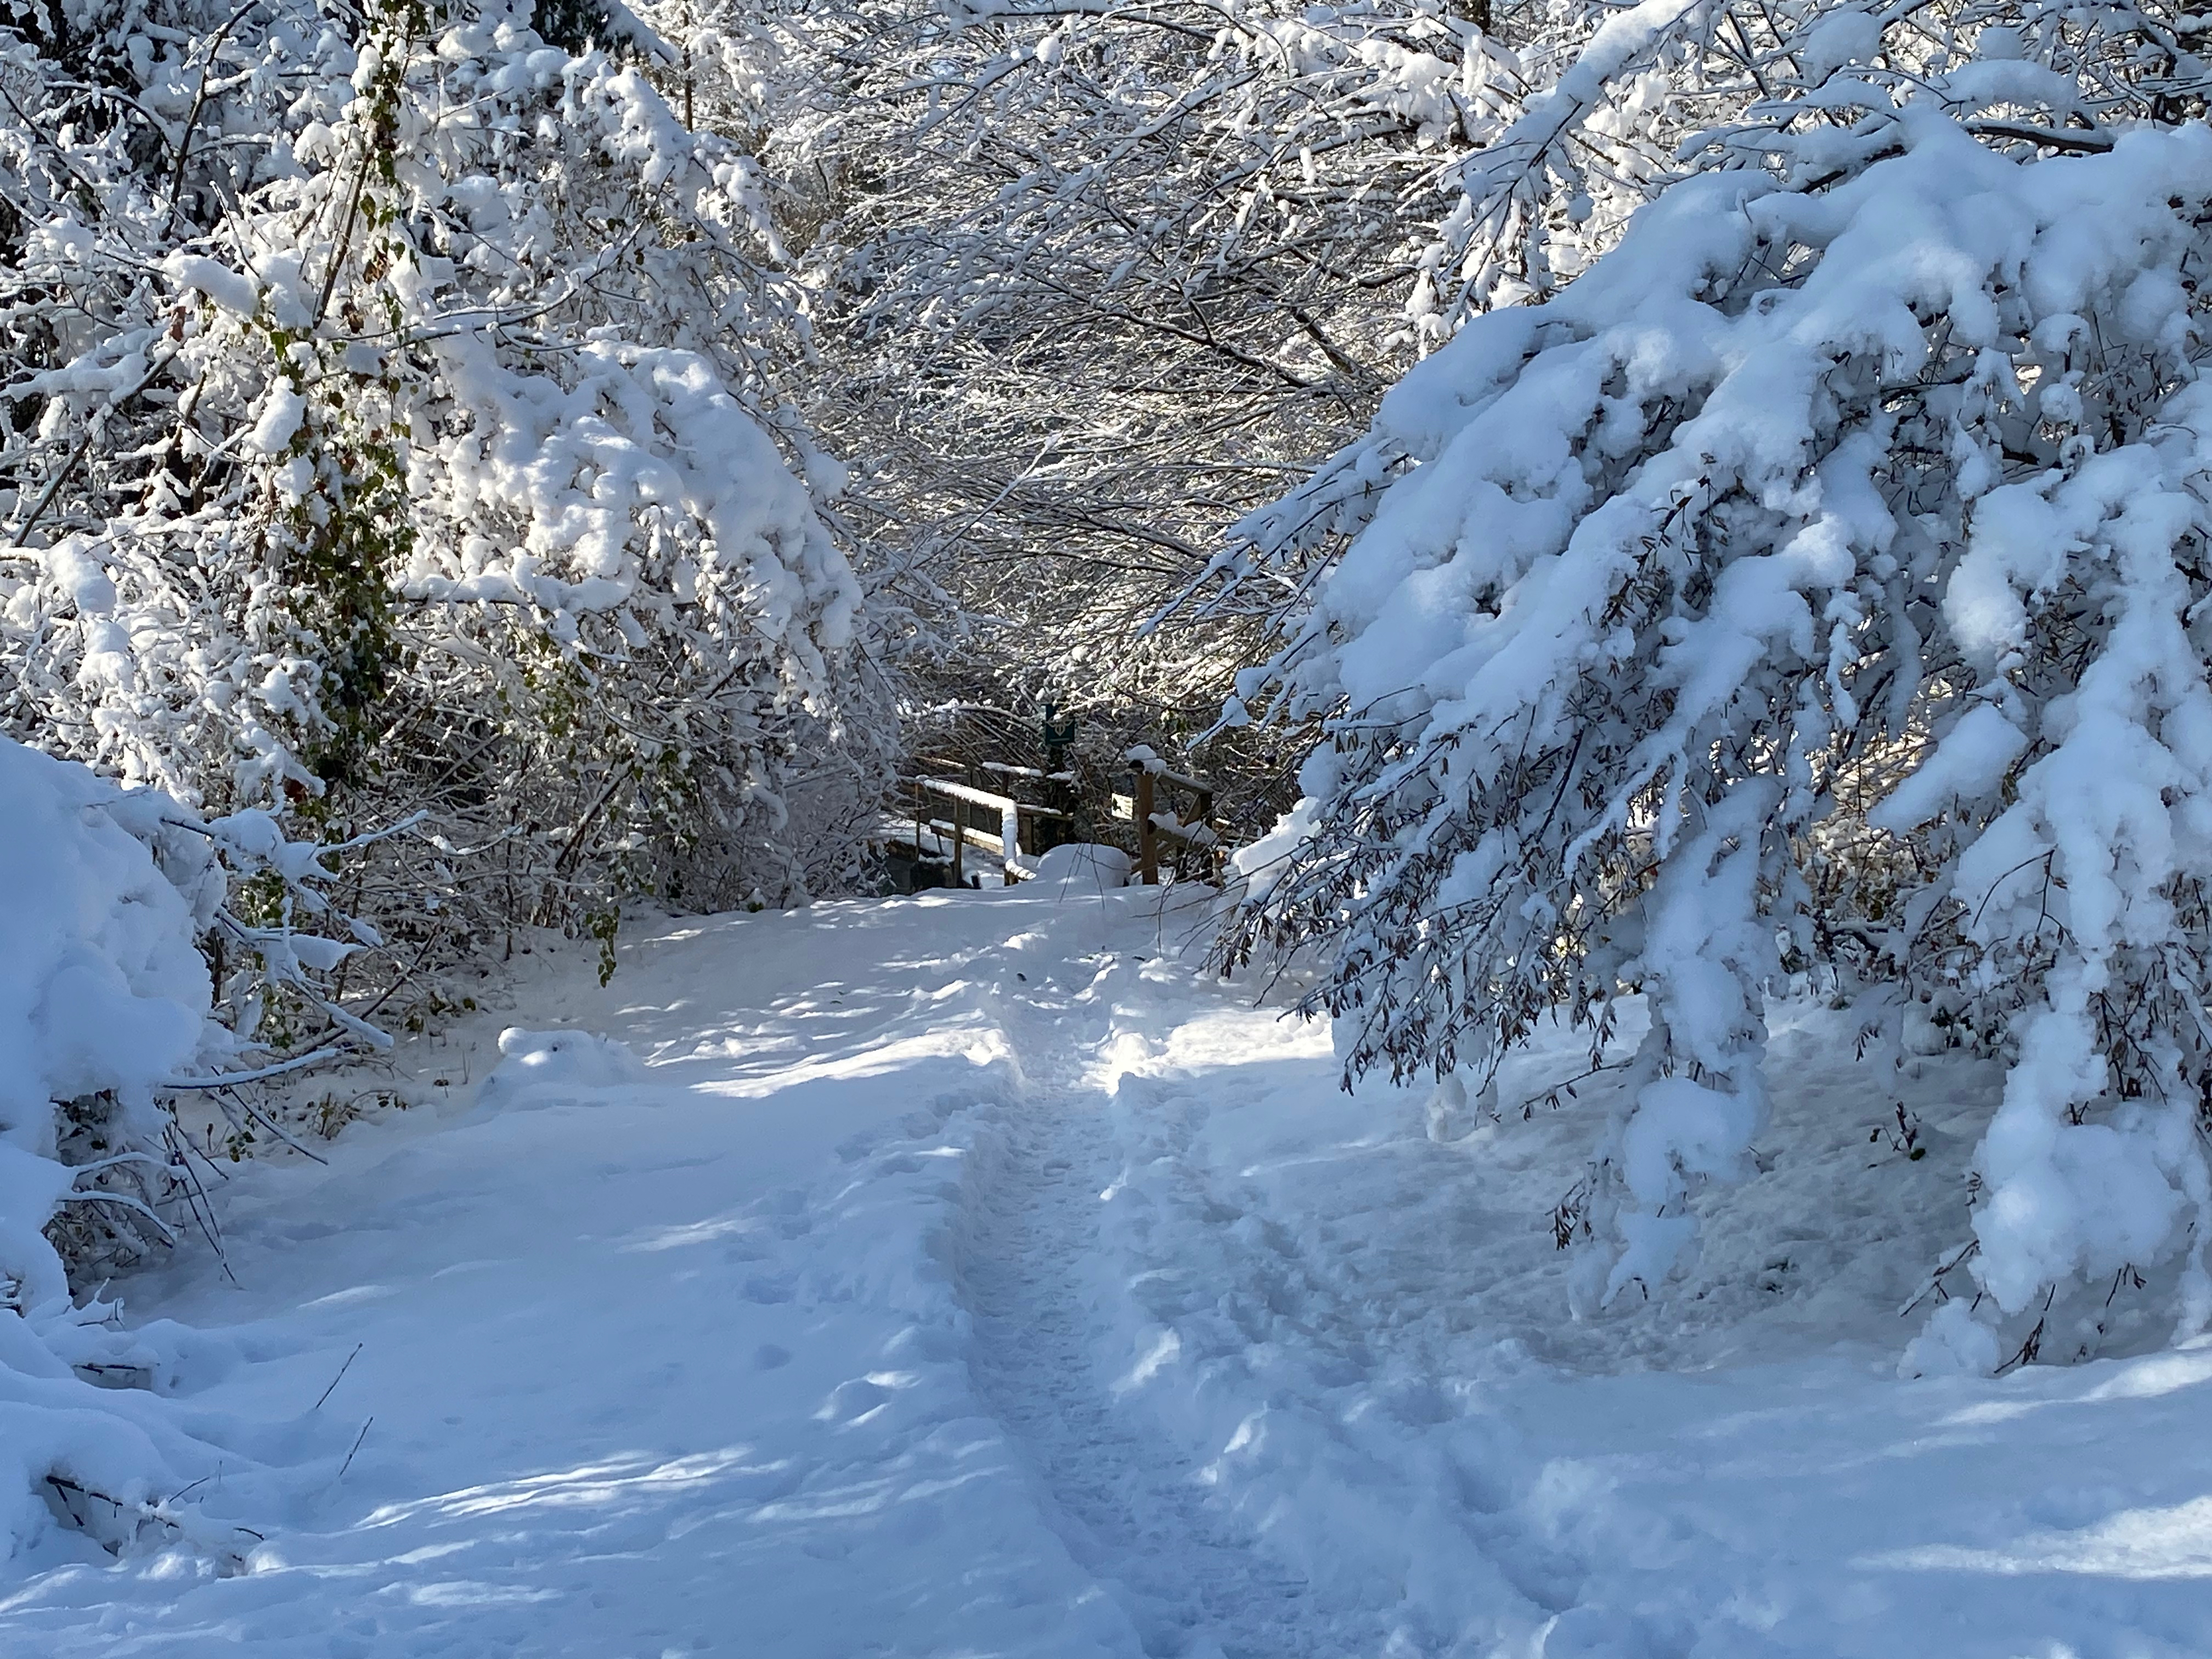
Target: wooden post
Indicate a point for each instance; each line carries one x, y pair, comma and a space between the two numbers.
974, 776
921, 824
1061, 798
1148, 839
959, 842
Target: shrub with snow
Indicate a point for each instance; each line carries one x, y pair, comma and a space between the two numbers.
396, 423
104, 997
102, 993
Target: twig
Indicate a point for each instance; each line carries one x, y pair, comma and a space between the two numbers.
248, 1107
339, 1378
200, 101
1936, 1279
347, 1464
76, 1169
202, 1208
21, 534
168, 1237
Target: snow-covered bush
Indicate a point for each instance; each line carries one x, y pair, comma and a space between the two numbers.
1819, 579
105, 1000
389, 407
126, 897
103, 995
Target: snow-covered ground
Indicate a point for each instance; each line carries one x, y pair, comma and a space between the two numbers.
970, 1274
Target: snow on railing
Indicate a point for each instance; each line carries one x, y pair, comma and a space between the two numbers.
1195, 833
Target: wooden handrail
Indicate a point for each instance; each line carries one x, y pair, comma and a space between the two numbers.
1196, 785
984, 797
1186, 829
1190, 835
1035, 773
1007, 843
973, 796
1143, 760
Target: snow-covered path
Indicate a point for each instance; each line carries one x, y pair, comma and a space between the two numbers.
1131, 1508
971, 1276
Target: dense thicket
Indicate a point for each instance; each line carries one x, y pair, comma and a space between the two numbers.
391, 407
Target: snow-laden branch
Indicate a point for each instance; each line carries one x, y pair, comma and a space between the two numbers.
1870, 473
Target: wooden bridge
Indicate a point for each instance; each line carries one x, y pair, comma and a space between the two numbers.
971, 815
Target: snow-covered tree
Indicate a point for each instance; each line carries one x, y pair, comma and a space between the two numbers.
1096, 281
1818, 578
397, 421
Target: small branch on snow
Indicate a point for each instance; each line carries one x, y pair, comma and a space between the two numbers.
339, 1378
347, 1464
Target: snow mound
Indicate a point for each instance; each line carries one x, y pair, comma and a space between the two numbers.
1952, 1344
542, 1066
1083, 866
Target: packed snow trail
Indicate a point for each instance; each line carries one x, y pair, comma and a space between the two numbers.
1187, 1574
971, 1275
